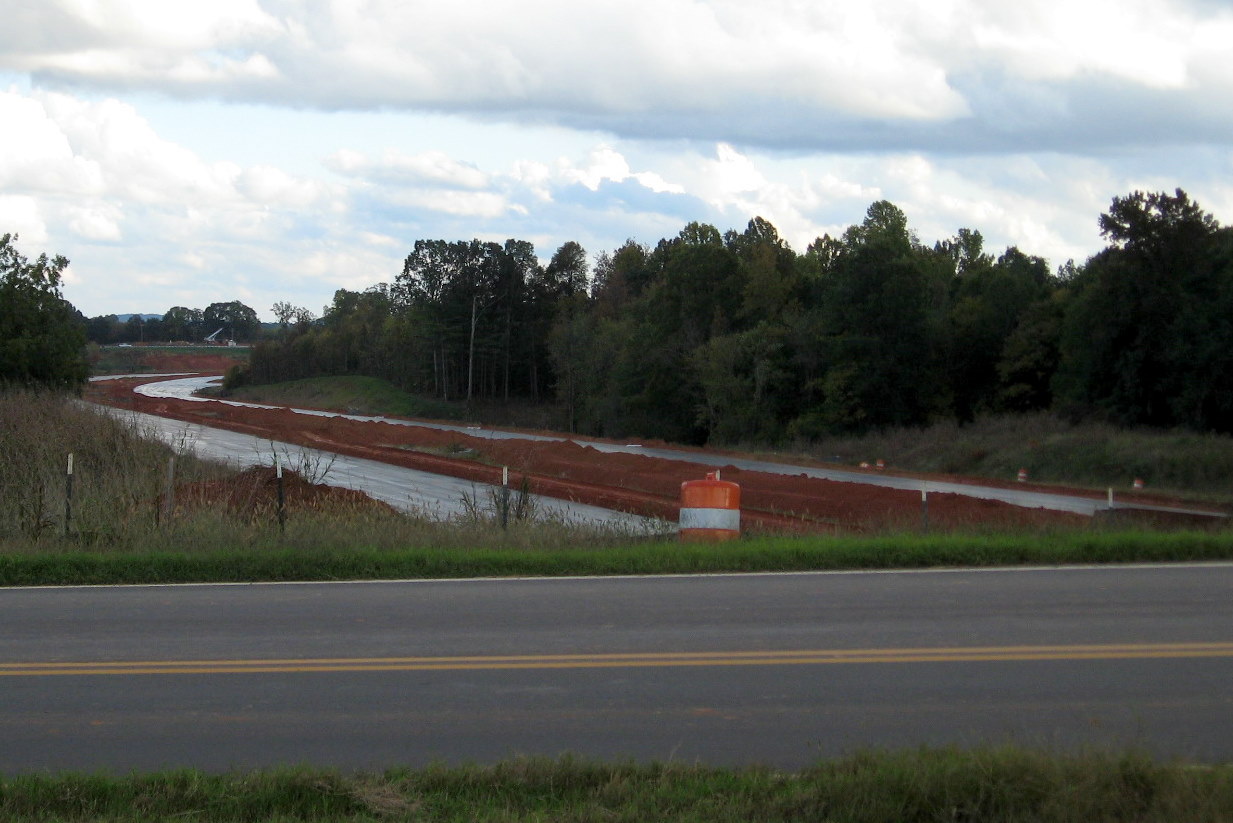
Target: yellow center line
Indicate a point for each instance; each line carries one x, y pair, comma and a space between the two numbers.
949, 654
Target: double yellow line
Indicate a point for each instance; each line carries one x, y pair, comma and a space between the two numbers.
815, 657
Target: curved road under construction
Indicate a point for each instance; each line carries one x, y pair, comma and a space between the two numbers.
185, 388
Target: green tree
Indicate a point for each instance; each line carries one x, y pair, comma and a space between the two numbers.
770, 278
880, 302
989, 301
621, 276
1137, 340
42, 338
556, 290
183, 323
238, 321
1030, 358
744, 380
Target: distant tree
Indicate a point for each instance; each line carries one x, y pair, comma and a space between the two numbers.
556, 289
135, 329
182, 323
291, 317
238, 321
621, 276
104, 329
42, 339
769, 272
566, 274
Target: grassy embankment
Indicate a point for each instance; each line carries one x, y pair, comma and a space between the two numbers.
120, 531
988, 785
1197, 466
358, 395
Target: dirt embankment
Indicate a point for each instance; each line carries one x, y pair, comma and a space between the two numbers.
574, 471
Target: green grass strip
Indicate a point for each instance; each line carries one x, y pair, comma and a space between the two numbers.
994, 784
272, 563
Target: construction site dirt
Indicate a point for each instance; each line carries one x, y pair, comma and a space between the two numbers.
572, 470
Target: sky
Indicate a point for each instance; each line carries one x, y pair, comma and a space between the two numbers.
187, 153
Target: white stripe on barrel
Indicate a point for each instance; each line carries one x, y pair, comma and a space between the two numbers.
710, 509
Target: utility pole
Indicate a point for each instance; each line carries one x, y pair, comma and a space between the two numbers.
471, 352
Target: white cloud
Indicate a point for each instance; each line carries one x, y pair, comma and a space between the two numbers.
604, 163
274, 187
21, 215
457, 203
100, 221
433, 167
593, 122
775, 73
1128, 39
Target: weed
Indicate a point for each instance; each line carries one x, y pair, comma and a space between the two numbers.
1006, 784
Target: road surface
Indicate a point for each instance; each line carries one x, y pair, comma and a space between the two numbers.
185, 388
432, 495
775, 669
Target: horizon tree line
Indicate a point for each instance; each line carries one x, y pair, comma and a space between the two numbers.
733, 337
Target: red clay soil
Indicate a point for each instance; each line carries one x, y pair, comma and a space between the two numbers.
570, 470
160, 361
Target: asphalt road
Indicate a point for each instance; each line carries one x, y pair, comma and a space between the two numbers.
777, 669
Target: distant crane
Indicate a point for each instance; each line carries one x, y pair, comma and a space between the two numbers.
210, 339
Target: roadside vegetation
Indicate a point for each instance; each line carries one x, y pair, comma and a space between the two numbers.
354, 394
995, 785
1052, 450
221, 524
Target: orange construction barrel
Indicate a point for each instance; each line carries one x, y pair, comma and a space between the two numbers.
710, 509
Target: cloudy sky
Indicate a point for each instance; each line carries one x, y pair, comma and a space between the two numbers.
184, 153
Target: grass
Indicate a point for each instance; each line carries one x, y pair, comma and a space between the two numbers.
1052, 450
117, 536
353, 394
118, 470
998, 785
268, 556
120, 531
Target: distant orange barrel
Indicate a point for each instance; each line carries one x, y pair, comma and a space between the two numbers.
710, 509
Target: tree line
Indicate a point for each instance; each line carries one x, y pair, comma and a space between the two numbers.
232, 320
710, 337
729, 337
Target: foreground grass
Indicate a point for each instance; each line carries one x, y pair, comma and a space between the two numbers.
266, 557
998, 784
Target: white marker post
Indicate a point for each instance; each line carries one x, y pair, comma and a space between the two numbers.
504, 497
282, 499
68, 497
